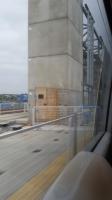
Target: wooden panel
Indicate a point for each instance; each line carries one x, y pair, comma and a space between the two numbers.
47, 104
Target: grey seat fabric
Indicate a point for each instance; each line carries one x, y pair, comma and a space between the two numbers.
87, 177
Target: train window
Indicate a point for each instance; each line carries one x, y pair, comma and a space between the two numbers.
55, 74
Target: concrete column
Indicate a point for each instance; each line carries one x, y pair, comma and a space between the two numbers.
55, 48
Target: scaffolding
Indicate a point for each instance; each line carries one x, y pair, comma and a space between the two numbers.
92, 50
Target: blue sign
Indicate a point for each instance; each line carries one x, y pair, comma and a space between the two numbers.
22, 98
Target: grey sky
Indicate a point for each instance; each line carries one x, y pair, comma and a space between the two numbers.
13, 46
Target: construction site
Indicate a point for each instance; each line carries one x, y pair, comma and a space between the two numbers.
69, 104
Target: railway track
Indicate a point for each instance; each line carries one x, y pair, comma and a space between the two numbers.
12, 117
2, 112
7, 120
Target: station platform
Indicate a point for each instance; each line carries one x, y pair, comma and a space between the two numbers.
30, 162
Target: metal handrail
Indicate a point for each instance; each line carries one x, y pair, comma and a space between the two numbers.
36, 126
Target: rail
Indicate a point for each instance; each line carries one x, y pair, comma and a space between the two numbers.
37, 126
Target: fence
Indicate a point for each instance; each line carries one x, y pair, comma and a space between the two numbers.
11, 107
85, 119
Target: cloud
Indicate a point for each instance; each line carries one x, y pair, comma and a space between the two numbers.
13, 46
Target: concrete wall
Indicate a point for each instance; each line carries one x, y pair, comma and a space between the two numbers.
55, 47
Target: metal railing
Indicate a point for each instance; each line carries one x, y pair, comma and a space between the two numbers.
80, 123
